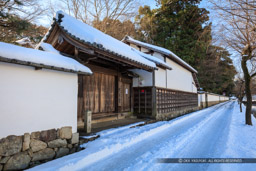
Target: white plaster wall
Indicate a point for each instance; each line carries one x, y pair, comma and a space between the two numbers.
144, 49
144, 80
158, 55
180, 78
213, 97
160, 78
36, 100
134, 46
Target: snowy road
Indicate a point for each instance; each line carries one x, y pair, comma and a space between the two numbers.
214, 132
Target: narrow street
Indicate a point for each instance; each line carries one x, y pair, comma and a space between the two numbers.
202, 134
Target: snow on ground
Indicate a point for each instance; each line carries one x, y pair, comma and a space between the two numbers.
215, 132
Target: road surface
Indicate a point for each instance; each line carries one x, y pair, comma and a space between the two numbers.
202, 134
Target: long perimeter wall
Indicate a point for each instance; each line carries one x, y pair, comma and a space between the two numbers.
207, 99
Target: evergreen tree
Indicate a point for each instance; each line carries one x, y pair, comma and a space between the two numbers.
182, 27
178, 25
216, 71
13, 27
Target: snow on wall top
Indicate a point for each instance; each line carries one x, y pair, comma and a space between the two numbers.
159, 49
153, 59
10, 51
93, 36
47, 47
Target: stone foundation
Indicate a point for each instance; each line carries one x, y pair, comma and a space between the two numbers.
174, 114
28, 150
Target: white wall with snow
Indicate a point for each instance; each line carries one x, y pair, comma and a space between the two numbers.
160, 78
145, 79
211, 97
158, 55
180, 78
143, 49
35, 100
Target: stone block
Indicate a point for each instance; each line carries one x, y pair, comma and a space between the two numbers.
58, 133
75, 138
72, 150
70, 146
45, 154
4, 160
62, 152
30, 153
57, 143
37, 145
18, 162
35, 135
26, 142
10, 145
66, 132
48, 135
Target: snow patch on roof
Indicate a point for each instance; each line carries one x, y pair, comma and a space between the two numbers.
89, 34
25, 41
153, 59
40, 57
159, 49
47, 47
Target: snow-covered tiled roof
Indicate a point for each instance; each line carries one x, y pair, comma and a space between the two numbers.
47, 47
160, 50
91, 36
153, 59
32, 57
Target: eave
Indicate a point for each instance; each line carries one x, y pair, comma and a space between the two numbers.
101, 52
40, 66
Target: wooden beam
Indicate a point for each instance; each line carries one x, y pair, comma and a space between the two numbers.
104, 54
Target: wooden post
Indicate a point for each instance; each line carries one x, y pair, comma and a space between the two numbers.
154, 102
206, 99
88, 121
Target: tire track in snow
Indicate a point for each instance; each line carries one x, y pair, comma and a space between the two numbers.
120, 149
184, 126
167, 145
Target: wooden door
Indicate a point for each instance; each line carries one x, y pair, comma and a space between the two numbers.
126, 97
98, 93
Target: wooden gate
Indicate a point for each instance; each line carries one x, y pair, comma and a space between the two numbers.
103, 95
125, 97
96, 93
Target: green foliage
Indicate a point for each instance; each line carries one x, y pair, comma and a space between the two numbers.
184, 28
13, 27
178, 25
217, 71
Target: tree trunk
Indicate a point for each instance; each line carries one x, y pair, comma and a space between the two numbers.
247, 79
241, 109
